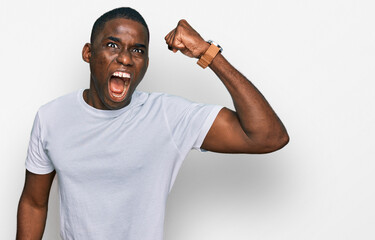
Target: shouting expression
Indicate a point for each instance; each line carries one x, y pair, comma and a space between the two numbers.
118, 59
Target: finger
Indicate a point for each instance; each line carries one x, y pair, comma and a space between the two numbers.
171, 41
177, 42
167, 36
172, 38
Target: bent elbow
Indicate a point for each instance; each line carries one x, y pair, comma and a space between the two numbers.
283, 140
279, 142
274, 143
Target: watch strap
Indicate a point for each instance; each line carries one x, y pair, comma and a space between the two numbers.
208, 56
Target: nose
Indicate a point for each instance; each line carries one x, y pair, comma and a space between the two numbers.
125, 58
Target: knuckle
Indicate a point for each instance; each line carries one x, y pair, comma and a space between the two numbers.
182, 22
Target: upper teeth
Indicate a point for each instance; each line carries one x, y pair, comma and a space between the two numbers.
121, 74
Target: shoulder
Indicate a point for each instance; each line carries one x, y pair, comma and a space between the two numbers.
59, 105
62, 100
165, 99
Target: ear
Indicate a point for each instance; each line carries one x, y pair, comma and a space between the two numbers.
86, 52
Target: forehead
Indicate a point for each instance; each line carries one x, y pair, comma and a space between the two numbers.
124, 29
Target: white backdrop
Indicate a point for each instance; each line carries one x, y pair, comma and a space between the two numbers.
313, 60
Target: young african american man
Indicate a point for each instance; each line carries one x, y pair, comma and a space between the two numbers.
116, 151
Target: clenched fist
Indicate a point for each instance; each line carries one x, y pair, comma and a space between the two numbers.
187, 40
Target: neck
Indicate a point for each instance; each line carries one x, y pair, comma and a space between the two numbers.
91, 98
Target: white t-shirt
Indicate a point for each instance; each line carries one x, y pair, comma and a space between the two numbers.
115, 168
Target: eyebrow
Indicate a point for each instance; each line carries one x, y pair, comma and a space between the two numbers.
115, 39
140, 45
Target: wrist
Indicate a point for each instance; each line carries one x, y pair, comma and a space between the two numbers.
205, 45
210, 53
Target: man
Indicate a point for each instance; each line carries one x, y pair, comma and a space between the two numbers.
116, 151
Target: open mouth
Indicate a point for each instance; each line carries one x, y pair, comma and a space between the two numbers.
118, 85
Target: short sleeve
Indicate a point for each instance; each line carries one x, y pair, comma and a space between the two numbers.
189, 122
37, 161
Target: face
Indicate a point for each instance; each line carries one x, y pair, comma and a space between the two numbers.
118, 60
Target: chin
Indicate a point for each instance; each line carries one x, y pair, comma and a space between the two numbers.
115, 105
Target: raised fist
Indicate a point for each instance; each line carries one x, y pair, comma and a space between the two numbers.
187, 40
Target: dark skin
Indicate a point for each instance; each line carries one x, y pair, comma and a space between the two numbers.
123, 46
254, 127
33, 206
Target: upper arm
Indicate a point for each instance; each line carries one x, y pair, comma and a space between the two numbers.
37, 188
226, 135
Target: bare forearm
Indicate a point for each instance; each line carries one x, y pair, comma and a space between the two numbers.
257, 118
30, 221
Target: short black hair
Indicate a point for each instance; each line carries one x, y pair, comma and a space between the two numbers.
122, 12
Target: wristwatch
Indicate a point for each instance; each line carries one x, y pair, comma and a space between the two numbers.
209, 55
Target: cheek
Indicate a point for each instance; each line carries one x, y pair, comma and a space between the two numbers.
99, 64
99, 69
102, 59
142, 68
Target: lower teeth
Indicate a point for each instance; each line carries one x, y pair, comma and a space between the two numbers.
119, 95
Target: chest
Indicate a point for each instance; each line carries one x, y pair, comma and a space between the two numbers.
113, 149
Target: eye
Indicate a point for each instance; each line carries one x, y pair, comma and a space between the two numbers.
112, 45
138, 50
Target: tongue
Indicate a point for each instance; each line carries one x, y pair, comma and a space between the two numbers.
116, 85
